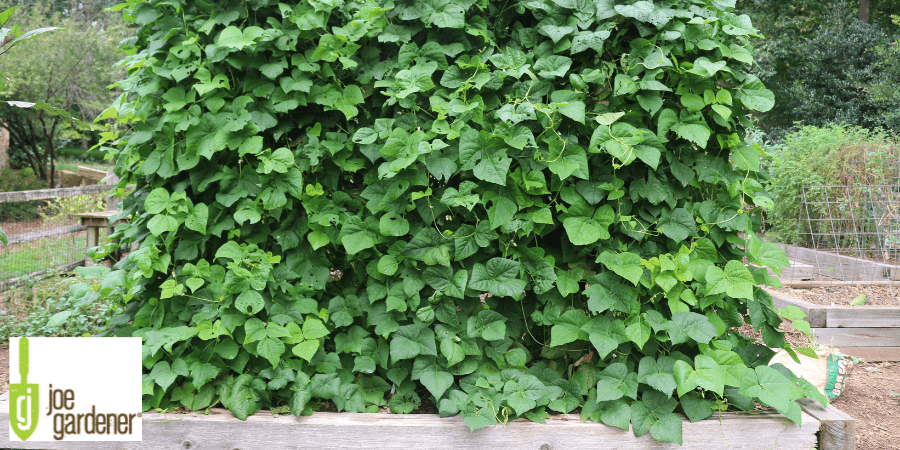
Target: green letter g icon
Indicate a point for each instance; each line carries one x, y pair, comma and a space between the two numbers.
23, 398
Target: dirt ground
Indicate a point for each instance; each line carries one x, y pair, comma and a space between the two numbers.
22, 227
843, 295
4, 368
12, 299
871, 396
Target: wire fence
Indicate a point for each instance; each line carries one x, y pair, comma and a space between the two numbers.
854, 234
862, 220
44, 236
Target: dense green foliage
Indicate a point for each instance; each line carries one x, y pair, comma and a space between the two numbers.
507, 208
833, 155
79, 10
835, 78
80, 153
826, 66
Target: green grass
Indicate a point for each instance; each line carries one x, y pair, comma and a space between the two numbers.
30, 257
71, 164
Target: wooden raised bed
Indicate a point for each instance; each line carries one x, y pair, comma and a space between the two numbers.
810, 264
871, 333
823, 428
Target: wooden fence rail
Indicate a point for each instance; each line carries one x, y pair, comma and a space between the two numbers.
871, 333
49, 194
41, 234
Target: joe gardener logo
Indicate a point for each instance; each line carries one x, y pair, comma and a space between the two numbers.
75, 389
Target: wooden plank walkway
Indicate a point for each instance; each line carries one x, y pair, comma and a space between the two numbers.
48, 194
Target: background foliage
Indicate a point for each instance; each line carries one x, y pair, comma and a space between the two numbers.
69, 69
825, 65
506, 208
833, 155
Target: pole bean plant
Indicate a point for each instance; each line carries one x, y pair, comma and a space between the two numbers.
505, 208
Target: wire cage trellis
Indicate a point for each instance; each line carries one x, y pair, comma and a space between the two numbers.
861, 223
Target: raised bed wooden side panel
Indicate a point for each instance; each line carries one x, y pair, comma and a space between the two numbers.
863, 317
839, 267
387, 431
838, 430
873, 353
858, 337
816, 315
871, 333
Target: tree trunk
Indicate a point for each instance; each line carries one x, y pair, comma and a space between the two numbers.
19, 129
40, 158
864, 10
51, 150
4, 148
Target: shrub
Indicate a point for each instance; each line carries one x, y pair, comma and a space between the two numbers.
507, 208
842, 71
59, 211
20, 180
832, 155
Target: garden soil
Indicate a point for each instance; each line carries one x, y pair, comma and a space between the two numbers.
843, 295
22, 227
867, 397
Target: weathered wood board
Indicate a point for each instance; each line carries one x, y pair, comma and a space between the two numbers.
66, 267
840, 267
838, 430
388, 431
41, 234
92, 175
871, 333
97, 218
47, 194
827, 284
815, 314
858, 337
863, 317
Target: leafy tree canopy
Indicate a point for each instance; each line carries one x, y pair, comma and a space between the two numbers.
825, 65
69, 69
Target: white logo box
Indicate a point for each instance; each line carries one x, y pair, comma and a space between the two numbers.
90, 377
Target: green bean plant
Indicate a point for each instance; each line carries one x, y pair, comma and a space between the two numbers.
506, 208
